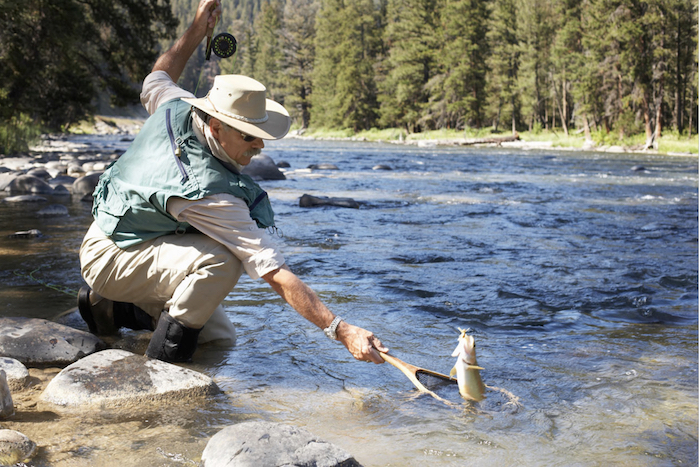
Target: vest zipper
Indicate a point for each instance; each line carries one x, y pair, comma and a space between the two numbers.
175, 146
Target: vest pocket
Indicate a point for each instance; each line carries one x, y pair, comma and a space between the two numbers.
175, 147
109, 207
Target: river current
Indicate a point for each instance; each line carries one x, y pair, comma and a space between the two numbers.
576, 272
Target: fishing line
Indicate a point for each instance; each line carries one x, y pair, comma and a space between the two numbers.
57, 288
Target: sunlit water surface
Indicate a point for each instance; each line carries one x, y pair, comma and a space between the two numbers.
577, 275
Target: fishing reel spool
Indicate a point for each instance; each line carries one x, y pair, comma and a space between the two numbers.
223, 45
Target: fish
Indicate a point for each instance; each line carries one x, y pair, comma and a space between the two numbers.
467, 370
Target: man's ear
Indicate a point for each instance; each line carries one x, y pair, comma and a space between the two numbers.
215, 127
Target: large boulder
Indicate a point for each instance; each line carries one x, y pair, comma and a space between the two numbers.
262, 167
117, 378
261, 443
7, 407
29, 184
41, 343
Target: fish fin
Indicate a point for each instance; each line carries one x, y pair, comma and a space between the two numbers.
453, 371
474, 367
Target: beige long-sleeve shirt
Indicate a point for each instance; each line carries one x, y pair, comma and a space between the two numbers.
222, 217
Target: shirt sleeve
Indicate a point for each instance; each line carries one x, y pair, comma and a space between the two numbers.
227, 220
159, 88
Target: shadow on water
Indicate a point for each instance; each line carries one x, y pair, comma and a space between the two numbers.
577, 275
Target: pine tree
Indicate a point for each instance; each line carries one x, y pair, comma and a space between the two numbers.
412, 37
299, 52
268, 49
503, 63
347, 42
458, 91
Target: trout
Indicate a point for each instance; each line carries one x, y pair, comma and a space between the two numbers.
468, 378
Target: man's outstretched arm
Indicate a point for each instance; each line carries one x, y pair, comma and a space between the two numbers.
362, 344
174, 60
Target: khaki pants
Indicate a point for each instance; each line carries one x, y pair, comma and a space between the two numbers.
186, 275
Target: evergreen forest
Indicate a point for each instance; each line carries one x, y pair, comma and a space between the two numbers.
616, 66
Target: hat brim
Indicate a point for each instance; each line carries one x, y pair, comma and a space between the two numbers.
276, 126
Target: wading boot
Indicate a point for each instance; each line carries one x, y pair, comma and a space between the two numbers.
104, 317
172, 341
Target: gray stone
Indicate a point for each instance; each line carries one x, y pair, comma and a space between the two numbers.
7, 407
29, 184
260, 443
60, 190
17, 374
381, 167
25, 199
38, 342
7, 178
39, 172
15, 447
309, 201
86, 185
53, 210
262, 167
118, 378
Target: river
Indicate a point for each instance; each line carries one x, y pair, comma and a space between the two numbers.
576, 272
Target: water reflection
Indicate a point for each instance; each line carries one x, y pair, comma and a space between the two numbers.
576, 274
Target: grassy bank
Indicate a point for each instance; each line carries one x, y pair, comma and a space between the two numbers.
669, 143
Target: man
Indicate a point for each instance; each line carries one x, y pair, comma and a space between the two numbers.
176, 223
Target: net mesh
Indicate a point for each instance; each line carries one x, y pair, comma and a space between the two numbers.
434, 382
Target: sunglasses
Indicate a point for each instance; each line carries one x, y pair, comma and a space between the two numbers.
248, 138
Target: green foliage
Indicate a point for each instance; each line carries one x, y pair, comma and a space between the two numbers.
57, 55
17, 133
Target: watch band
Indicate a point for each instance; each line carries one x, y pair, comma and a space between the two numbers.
330, 330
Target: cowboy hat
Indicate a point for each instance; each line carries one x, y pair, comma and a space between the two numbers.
239, 101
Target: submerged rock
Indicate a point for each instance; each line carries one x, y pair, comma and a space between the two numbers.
309, 201
262, 167
15, 447
260, 443
117, 378
38, 342
324, 166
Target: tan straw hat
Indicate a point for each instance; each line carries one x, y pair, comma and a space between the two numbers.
240, 102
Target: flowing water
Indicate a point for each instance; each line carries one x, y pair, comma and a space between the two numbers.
576, 272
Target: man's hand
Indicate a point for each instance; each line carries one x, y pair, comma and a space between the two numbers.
362, 344
173, 61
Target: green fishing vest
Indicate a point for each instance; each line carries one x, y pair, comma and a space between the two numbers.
167, 160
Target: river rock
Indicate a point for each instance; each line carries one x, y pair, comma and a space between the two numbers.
38, 342
86, 185
6, 178
53, 210
309, 201
381, 167
40, 172
15, 447
29, 184
25, 199
17, 374
7, 407
262, 167
283, 165
324, 166
116, 378
33, 233
261, 443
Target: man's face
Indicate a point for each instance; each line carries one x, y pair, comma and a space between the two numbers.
233, 142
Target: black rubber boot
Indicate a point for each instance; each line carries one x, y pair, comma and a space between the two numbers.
104, 317
172, 341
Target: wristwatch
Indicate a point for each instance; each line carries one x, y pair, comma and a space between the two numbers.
330, 330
